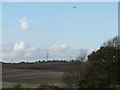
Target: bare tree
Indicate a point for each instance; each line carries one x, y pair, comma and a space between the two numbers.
73, 76
112, 42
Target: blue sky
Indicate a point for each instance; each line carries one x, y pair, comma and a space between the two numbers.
59, 25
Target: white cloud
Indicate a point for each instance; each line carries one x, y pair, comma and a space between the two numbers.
19, 46
24, 24
30, 52
33, 52
58, 49
21, 51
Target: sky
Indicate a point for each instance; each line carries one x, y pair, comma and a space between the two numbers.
30, 30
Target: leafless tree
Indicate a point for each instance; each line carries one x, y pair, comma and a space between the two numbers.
74, 74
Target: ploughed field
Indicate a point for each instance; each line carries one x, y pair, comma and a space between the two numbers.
35, 73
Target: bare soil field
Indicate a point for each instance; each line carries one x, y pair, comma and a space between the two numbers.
33, 74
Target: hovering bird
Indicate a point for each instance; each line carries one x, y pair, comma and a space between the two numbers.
74, 7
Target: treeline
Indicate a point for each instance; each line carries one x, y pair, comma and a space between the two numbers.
42, 61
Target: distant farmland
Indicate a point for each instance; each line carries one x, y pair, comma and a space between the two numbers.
34, 74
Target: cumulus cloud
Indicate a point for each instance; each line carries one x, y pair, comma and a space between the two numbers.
17, 51
35, 53
22, 52
31, 51
58, 49
19, 46
24, 24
